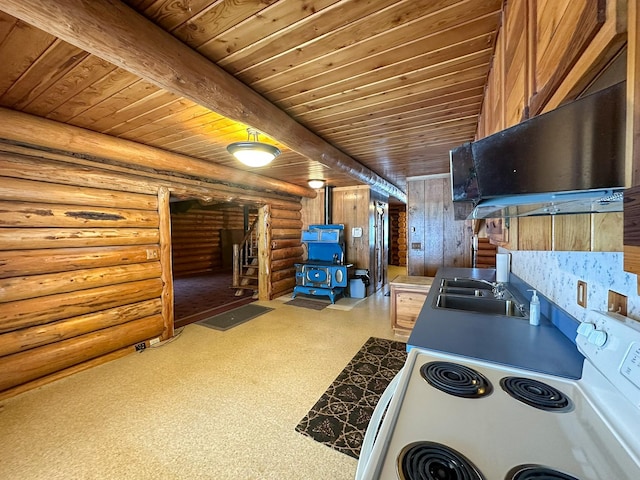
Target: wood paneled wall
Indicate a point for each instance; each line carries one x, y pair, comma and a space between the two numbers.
356, 207
434, 238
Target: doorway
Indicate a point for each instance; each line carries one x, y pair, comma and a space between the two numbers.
202, 237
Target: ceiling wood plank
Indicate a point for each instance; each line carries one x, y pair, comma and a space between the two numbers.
119, 35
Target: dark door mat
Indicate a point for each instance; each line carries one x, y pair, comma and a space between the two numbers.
225, 321
307, 303
340, 417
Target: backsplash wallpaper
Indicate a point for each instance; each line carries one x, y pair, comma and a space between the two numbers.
556, 275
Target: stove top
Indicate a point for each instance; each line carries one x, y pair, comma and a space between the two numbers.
453, 417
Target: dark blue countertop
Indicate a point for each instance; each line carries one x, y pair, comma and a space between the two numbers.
509, 341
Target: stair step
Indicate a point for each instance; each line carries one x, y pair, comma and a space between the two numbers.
250, 277
245, 287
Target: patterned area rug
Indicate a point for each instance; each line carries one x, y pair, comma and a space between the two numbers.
341, 416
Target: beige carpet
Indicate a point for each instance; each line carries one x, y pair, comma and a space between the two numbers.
208, 405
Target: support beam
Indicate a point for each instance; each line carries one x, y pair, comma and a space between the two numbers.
26, 129
116, 33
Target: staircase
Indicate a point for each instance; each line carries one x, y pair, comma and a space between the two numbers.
245, 263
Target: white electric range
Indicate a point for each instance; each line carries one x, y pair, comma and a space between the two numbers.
452, 417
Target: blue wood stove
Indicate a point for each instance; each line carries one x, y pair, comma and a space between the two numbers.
325, 272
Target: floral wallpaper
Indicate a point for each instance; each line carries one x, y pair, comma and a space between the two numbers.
556, 275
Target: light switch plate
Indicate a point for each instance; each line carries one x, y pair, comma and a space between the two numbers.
356, 232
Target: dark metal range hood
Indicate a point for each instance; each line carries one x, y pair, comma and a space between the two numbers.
569, 160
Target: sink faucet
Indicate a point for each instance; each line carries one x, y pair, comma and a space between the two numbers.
497, 288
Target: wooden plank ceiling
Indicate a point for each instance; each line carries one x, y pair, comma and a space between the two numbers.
393, 84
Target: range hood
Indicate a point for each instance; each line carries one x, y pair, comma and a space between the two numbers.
569, 160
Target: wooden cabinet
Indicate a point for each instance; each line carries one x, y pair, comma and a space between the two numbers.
408, 294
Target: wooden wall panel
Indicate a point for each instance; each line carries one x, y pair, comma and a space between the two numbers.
571, 232
435, 239
416, 205
351, 207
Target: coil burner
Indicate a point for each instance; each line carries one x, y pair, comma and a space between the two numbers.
456, 379
434, 461
536, 394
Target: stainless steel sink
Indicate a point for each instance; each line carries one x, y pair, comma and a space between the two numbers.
493, 306
466, 283
472, 292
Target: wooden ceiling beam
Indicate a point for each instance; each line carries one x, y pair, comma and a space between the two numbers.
116, 33
25, 129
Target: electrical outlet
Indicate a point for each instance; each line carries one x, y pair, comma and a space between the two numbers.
153, 341
582, 294
617, 303
140, 346
152, 254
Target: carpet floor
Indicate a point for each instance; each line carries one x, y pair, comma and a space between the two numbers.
340, 417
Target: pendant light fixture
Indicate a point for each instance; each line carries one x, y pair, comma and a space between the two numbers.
316, 183
252, 152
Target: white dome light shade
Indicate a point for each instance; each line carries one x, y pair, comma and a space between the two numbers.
253, 153
316, 183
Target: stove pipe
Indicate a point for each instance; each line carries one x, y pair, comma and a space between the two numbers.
328, 202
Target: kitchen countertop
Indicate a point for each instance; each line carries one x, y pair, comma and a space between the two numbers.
503, 340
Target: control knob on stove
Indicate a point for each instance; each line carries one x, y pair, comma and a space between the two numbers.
585, 329
597, 338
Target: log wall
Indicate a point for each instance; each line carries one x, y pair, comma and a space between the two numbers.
398, 235
80, 270
285, 248
86, 258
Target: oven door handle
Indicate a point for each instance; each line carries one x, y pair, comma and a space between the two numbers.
374, 425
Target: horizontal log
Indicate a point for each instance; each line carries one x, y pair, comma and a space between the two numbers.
282, 274
32, 130
212, 193
33, 262
285, 243
22, 214
94, 362
189, 272
284, 263
199, 260
19, 190
292, 252
35, 238
294, 214
27, 338
282, 286
38, 311
31, 164
99, 174
21, 288
38, 362
197, 250
285, 233
286, 223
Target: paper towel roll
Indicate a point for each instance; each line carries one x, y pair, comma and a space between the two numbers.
503, 266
